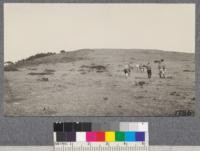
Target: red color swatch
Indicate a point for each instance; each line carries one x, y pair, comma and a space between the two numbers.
100, 136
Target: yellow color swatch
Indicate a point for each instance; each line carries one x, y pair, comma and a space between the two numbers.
109, 136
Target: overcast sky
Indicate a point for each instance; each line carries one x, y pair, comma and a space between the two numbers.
34, 28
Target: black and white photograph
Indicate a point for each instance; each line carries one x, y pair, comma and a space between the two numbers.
75, 59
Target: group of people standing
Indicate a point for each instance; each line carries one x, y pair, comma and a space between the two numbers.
161, 69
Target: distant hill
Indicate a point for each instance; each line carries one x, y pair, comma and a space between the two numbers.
84, 54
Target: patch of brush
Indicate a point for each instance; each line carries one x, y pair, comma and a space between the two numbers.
174, 93
105, 98
140, 83
169, 77
40, 73
43, 79
45, 72
139, 97
32, 69
83, 72
187, 70
96, 68
10, 68
49, 70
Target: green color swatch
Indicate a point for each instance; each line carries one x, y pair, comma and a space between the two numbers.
119, 136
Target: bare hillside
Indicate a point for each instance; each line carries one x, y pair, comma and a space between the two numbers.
92, 83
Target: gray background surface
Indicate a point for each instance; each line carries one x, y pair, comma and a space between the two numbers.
162, 130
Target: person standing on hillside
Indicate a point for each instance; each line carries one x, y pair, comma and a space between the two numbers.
127, 71
149, 71
161, 68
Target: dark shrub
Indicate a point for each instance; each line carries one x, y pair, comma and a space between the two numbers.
62, 51
43, 79
97, 68
49, 70
31, 58
10, 68
186, 70
40, 73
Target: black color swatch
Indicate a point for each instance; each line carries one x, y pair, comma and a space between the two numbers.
71, 136
78, 127
58, 127
72, 127
69, 127
61, 137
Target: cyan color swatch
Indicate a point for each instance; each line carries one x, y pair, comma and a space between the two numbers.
130, 136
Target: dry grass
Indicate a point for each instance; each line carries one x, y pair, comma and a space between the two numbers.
95, 85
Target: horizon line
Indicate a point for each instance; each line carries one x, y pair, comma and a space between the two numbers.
72, 50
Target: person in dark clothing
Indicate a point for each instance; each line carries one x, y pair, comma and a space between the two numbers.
127, 71
149, 72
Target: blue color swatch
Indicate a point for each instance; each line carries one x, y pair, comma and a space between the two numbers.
140, 136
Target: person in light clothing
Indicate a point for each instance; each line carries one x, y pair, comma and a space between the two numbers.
161, 68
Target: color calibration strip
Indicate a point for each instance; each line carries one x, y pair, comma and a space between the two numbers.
81, 136
108, 136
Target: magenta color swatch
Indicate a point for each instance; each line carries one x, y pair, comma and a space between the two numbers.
90, 136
